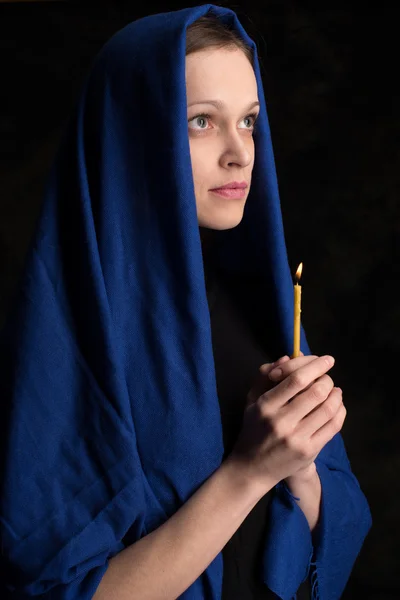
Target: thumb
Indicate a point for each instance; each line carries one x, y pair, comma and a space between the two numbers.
259, 386
267, 367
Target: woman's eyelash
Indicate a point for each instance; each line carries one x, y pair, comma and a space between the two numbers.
203, 115
253, 116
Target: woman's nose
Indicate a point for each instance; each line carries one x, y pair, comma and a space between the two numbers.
236, 151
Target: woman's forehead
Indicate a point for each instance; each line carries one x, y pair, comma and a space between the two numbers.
220, 75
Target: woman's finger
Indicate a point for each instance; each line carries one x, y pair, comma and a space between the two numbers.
262, 382
305, 403
266, 367
282, 371
331, 427
295, 380
321, 415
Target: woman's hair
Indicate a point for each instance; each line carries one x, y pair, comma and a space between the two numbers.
210, 32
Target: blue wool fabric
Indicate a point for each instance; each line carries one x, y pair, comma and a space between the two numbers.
110, 410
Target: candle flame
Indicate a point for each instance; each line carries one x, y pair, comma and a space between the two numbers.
299, 272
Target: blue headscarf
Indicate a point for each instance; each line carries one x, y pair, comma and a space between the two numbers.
107, 372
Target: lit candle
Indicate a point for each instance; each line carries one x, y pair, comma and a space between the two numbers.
297, 311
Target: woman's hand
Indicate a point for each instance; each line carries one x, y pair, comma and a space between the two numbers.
306, 474
285, 427
263, 384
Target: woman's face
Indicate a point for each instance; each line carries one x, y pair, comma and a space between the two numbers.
222, 103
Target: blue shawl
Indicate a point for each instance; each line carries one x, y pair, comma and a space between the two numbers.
111, 416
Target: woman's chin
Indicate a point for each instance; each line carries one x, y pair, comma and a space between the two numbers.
222, 218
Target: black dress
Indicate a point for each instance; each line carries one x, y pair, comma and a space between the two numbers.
238, 355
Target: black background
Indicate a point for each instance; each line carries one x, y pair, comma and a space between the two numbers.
330, 72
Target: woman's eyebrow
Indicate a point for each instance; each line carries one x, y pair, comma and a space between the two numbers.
219, 104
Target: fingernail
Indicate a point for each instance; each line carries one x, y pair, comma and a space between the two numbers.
275, 374
329, 360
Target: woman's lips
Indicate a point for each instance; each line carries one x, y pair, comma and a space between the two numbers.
230, 192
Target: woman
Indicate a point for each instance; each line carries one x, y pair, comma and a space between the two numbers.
143, 440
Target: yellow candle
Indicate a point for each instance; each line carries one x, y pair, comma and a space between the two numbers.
297, 311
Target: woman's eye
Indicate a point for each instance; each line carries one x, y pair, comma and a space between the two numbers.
251, 120
200, 121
